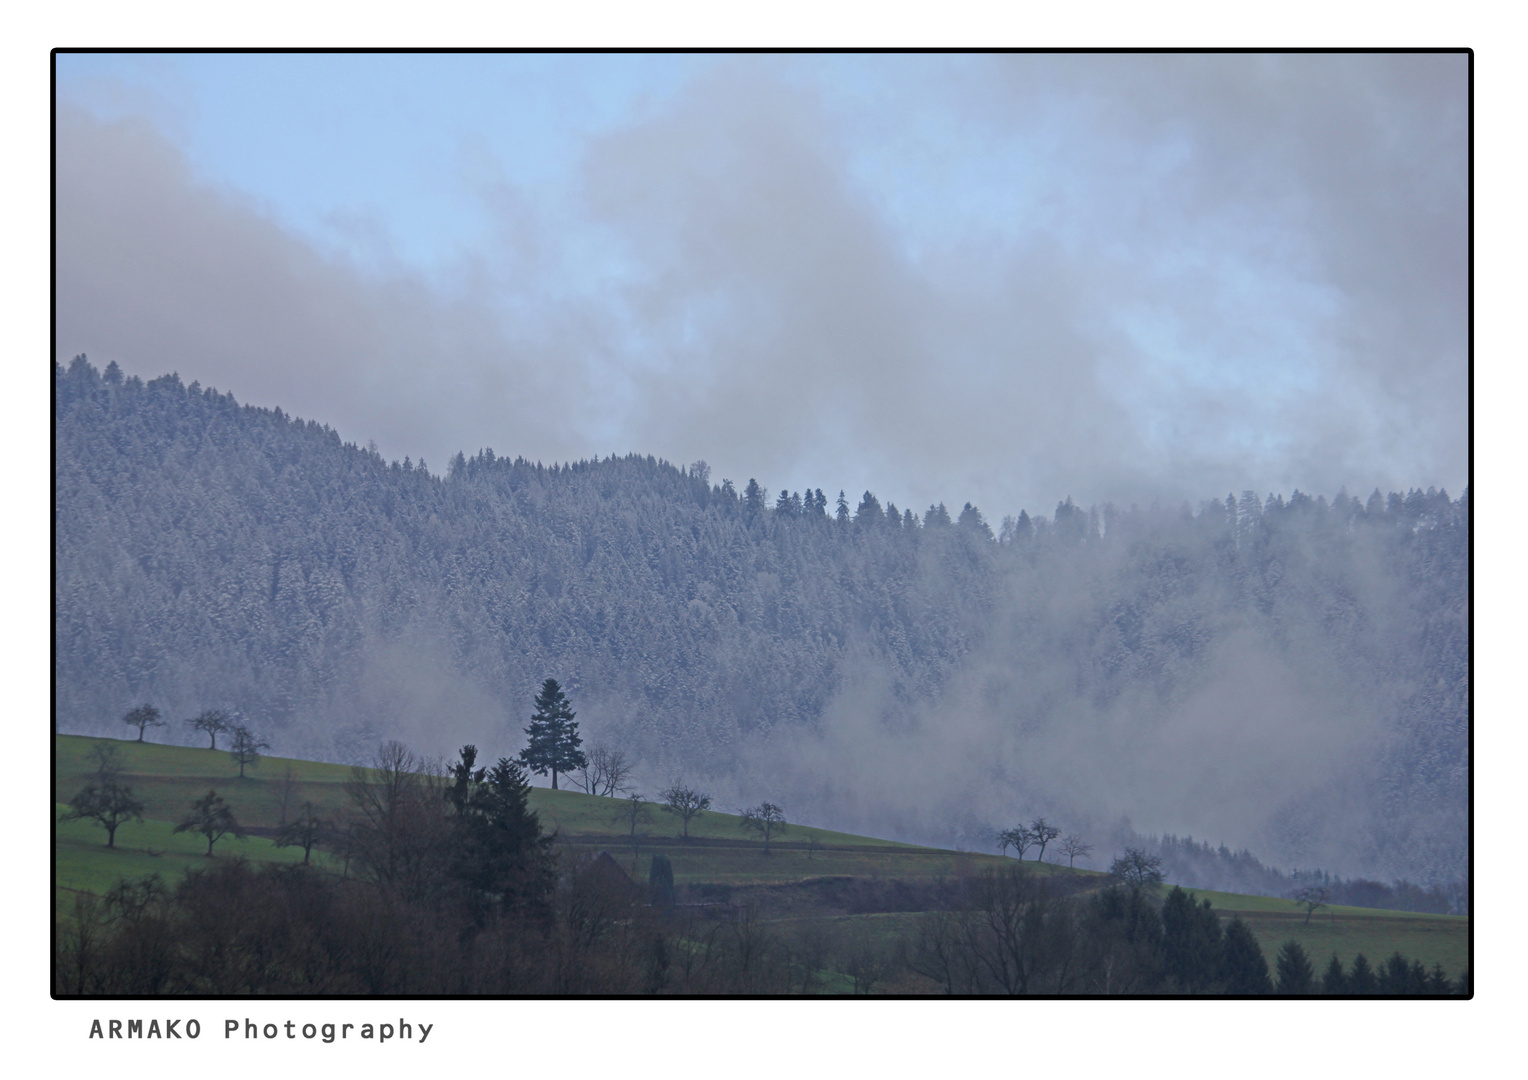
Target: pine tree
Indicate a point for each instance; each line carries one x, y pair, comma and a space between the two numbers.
554, 739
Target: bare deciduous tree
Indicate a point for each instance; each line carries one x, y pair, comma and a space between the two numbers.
684, 802
865, 960
1074, 847
1020, 838
303, 831
108, 805
105, 800
212, 723
246, 748
211, 816
399, 834
766, 819
1043, 832
1137, 869
108, 760
144, 716
633, 812
1311, 898
605, 771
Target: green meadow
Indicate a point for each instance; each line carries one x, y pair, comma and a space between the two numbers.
718, 861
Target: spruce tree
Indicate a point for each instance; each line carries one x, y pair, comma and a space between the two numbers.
1296, 975
1243, 970
1361, 979
554, 739
1191, 942
1335, 981
1395, 975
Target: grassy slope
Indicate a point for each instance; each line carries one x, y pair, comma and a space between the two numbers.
167, 778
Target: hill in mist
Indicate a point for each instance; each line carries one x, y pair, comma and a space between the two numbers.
1286, 673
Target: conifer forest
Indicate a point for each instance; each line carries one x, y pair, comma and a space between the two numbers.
1281, 671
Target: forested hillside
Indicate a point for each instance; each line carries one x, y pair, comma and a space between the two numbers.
1286, 673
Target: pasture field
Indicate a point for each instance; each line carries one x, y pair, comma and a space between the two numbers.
802, 880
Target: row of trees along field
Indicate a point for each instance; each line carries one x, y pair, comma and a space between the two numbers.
450, 886
208, 553
553, 745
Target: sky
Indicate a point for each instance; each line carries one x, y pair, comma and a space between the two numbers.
1001, 279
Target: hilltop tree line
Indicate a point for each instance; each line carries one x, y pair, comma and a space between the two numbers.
1198, 864
209, 553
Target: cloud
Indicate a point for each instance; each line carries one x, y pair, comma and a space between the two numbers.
162, 272
1003, 279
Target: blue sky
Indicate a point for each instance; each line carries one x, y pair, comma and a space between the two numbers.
942, 278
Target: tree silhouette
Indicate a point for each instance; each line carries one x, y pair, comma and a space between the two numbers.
1137, 869
685, 803
1243, 970
144, 716
766, 819
1296, 973
1043, 832
554, 739
1311, 898
211, 816
211, 723
1020, 838
1072, 846
107, 802
303, 831
246, 748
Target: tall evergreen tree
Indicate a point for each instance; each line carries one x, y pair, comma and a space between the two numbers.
501, 855
1191, 942
1361, 978
1243, 969
971, 518
1395, 975
554, 739
1296, 973
1335, 980
753, 500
